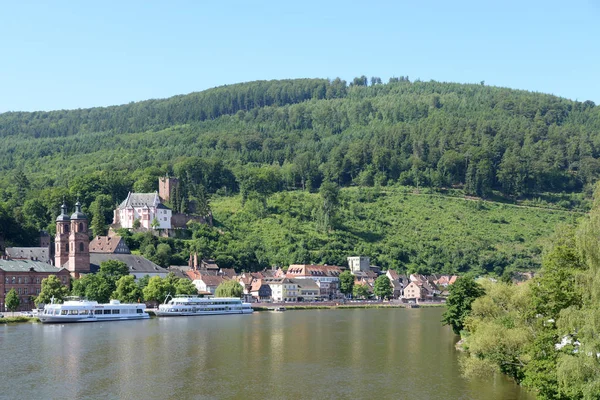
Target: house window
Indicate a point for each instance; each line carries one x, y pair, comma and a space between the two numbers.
64, 280
19, 279
25, 290
7, 280
14, 279
80, 227
81, 246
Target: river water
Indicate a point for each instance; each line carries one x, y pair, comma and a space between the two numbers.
312, 354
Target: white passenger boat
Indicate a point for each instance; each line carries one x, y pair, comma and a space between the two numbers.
91, 311
180, 306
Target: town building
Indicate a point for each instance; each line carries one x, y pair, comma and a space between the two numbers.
260, 290
41, 254
420, 290
198, 263
179, 271
308, 290
326, 277
26, 276
109, 244
399, 282
138, 266
207, 283
356, 264
147, 208
282, 290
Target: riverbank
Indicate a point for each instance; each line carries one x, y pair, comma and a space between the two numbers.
17, 320
343, 306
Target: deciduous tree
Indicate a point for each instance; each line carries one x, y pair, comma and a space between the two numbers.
12, 301
383, 287
127, 290
458, 305
52, 287
230, 288
346, 282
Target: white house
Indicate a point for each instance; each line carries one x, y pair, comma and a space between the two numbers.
145, 207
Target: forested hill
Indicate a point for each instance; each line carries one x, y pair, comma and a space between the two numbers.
153, 114
261, 139
415, 133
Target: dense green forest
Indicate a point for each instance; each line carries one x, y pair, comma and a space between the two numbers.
261, 140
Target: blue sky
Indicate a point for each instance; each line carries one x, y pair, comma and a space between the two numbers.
68, 54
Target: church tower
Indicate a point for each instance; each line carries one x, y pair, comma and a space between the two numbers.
61, 240
79, 242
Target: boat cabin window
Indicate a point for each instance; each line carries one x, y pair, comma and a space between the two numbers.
106, 311
97, 312
139, 311
115, 311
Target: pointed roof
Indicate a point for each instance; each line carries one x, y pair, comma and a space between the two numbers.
109, 244
78, 214
142, 200
63, 213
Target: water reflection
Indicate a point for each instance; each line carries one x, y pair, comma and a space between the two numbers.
326, 354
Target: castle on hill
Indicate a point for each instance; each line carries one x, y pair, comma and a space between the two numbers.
147, 211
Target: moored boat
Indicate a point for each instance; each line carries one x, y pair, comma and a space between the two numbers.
91, 311
181, 306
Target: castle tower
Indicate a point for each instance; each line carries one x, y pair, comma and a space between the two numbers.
79, 242
61, 240
166, 186
357, 264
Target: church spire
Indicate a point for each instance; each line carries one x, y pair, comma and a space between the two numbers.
63, 212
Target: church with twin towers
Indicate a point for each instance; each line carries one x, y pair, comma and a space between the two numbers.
72, 241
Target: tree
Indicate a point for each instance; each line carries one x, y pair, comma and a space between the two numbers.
155, 224
163, 254
346, 282
185, 286
143, 281
499, 332
329, 192
361, 291
101, 209
113, 270
127, 290
158, 289
52, 287
12, 301
458, 305
94, 287
230, 288
383, 287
